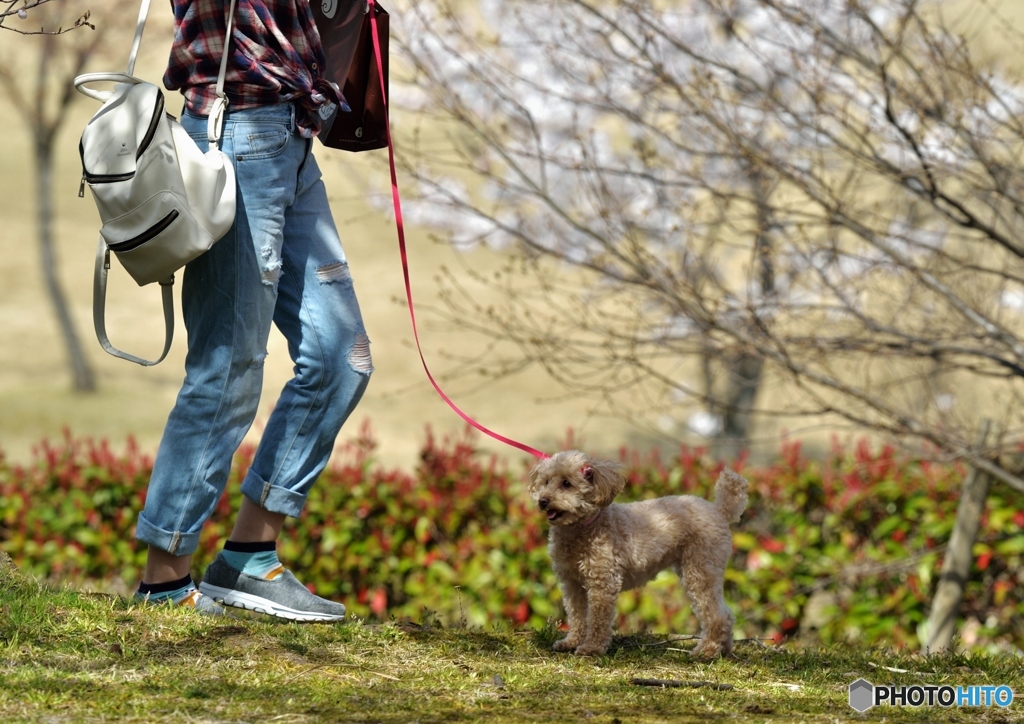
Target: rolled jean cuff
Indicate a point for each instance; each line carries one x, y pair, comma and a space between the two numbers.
174, 542
271, 497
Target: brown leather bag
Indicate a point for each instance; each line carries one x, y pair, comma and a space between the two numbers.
346, 35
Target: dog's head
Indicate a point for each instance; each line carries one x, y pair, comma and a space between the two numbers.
571, 487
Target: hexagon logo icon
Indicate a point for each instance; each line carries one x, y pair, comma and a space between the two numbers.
862, 695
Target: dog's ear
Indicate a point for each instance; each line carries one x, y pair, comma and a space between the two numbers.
535, 476
607, 479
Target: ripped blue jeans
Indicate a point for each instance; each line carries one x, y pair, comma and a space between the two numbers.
282, 262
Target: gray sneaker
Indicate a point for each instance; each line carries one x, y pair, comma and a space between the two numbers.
205, 605
283, 596
196, 600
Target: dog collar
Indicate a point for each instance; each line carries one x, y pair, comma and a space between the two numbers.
590, 521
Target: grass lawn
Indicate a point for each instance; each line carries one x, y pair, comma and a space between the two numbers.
72, 656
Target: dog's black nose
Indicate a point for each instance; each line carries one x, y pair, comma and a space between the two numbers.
544, 503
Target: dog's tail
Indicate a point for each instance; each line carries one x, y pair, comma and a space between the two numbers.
731, 495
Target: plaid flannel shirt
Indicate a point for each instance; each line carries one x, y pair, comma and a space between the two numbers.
276, 57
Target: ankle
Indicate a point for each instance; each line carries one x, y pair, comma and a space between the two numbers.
256, 524
176, 591
164, 567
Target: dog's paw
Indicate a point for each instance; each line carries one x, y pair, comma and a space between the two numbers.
565, 644
706, 650
589, 650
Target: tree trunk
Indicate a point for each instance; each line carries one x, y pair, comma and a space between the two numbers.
959, 559
744, 371
744, 380
83, 377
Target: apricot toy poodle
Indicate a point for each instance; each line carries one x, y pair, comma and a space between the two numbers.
600, 548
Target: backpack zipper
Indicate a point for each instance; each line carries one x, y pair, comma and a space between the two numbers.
151, 232
93, 179
151, 131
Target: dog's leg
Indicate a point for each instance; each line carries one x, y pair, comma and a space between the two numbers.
704, 582
600, 617
574, 598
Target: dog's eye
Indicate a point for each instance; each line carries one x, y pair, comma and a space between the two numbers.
566, 484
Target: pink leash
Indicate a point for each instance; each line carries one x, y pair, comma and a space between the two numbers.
405, 260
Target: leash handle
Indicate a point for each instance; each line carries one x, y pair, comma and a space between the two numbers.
400, 225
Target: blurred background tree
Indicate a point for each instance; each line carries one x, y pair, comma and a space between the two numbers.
748, 212
41, 99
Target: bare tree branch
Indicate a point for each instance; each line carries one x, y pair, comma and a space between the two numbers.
14, 13
757, 209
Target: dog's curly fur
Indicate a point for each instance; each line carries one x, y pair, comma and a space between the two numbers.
600, 548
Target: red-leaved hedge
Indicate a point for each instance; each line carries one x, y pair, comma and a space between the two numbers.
846, 547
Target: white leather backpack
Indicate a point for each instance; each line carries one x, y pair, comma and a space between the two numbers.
162, 201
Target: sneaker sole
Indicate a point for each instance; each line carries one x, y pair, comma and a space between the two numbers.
249, 602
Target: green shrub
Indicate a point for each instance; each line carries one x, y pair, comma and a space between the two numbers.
833, 549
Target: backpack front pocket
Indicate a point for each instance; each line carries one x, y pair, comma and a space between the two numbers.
147, 235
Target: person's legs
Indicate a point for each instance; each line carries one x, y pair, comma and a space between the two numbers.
318, 314
227, 315
229, 299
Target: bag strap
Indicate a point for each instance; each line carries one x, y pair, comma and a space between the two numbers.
99, 302
128, 76
215, 120
140, 25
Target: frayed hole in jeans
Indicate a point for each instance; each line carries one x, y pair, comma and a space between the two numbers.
359, 358
258, 361
271, 266
335, 272
271, 273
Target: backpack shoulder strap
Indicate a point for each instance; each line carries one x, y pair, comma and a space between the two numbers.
140, 25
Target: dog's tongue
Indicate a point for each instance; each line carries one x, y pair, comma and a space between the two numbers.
552, 514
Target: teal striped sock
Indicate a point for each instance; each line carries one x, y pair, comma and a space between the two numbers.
254, 559
172, 591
